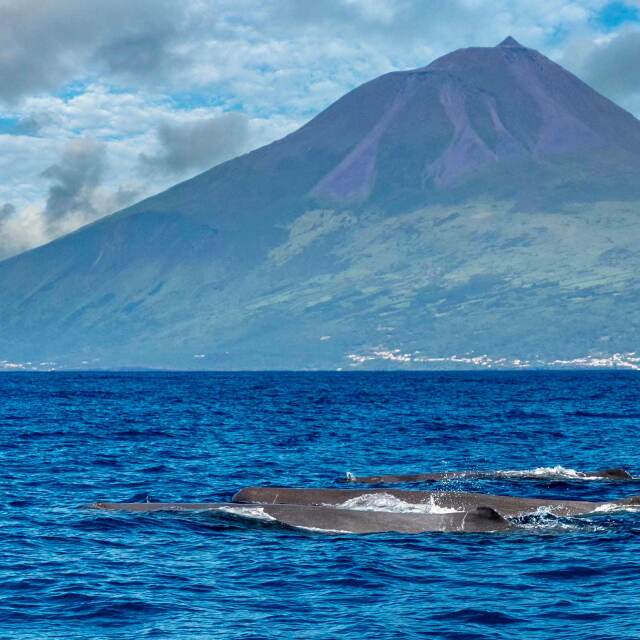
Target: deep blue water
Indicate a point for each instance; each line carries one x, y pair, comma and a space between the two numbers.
69, 439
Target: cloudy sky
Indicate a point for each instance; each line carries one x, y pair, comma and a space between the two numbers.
103, 103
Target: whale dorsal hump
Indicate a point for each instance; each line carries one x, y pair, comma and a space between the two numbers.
616, 474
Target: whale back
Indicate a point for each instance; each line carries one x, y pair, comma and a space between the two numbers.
336, 520
614, 474
411, 477
460, 501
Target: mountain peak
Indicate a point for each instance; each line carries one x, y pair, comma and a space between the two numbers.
510, 42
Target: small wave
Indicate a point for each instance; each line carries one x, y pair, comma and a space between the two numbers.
387, 502
478, 616
142, 433
569, 574
143, 497
605, 414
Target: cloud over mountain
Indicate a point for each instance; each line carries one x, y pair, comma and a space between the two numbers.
74, 179
613, 66
199, 144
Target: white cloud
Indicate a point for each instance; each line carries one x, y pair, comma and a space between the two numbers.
22, 231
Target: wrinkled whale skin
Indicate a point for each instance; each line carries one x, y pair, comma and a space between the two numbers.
335, 520
603, 474
504, 505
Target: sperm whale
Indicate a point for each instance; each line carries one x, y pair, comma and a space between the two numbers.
333, 519
542, 473
504, 505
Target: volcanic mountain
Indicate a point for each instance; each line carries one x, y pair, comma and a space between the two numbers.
487, 203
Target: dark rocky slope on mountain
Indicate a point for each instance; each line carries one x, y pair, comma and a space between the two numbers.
486, 203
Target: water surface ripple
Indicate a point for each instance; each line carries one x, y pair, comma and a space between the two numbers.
69, 439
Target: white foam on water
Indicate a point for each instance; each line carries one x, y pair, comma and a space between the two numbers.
389, 503
255, 513
544, 519
554, 472
612, 507
258, 513
318, 530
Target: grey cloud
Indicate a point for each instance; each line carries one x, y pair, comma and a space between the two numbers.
164, 44
135, 55
200, 144
613, 68
78, 194
74, 179
6, 210
396, 21
151, 42
46, 44
121, 198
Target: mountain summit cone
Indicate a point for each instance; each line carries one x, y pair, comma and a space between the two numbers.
510, 42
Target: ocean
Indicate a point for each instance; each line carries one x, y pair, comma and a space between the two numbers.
68, 439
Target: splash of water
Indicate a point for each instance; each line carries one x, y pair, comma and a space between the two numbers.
255, 513
555, 472
544, 519
612, 507
387, 502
